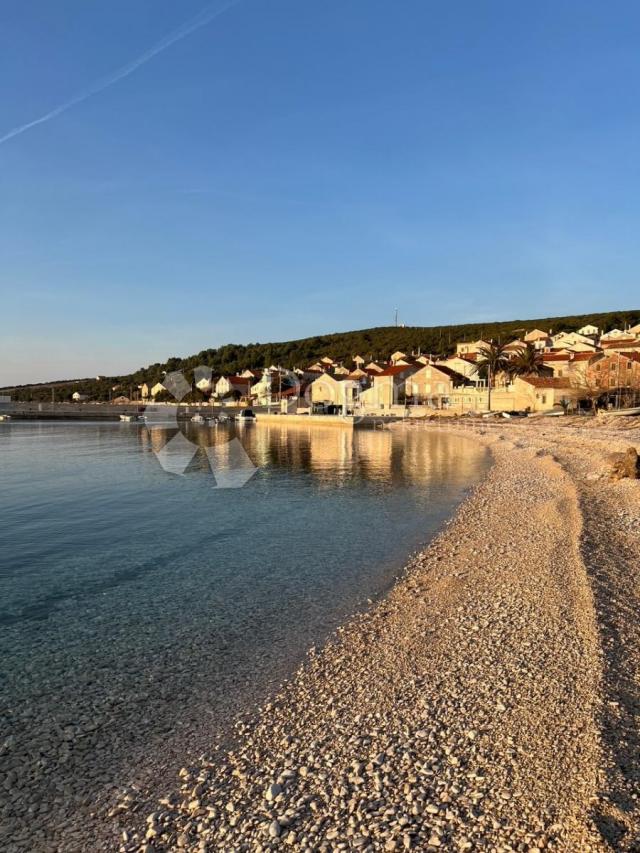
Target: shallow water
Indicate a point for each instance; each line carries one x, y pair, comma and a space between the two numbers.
139, 607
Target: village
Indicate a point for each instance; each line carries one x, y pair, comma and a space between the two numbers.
539, 372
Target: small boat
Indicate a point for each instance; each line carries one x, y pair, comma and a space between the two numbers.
5, 417
246, 416
213, 421
129, 418
198, 419
616, 412
222, 419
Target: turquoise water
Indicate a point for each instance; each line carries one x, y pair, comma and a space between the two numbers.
139, 607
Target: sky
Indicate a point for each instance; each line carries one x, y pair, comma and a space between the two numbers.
175, 176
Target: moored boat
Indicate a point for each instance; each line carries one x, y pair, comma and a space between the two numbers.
633, 411
246, 416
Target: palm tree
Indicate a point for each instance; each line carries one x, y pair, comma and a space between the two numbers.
528, 361
493, 359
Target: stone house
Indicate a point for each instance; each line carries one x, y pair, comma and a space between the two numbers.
389, 386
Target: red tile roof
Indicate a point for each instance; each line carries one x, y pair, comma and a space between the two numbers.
568, 356
583, 356
547, 381
622, 343
394, 371
630, 356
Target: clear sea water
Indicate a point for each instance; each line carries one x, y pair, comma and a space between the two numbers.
140, 610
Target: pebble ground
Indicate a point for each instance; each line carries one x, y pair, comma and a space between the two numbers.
490, 702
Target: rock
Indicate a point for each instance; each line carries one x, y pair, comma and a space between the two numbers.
272, 791
275, 829
625, 465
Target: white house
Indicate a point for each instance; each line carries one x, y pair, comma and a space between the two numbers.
262, 389
329, 390
203, 378
228, 385
573, 341
460, 365
471, 347
538, 338
589, 331
613, 334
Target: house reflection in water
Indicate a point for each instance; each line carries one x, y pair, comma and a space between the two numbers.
335, 456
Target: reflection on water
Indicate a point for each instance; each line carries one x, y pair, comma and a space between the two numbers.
138, 606
334, 454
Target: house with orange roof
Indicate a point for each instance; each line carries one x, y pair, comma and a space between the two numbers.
228, 386
566, 363
543, 393
389, 386
622, 345
432, 385
617, 372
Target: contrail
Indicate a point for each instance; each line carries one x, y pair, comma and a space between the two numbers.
204, 17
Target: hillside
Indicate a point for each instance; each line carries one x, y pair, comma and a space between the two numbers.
374, 343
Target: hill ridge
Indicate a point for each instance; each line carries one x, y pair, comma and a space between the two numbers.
376, 342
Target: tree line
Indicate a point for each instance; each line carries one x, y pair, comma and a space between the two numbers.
375, 344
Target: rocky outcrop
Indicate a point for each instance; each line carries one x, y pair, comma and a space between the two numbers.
626, 465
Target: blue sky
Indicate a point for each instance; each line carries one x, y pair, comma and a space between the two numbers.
305, 166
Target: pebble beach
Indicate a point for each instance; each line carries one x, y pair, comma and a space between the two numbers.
488, 702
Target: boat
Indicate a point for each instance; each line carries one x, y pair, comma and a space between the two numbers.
246, 416
616, 412
198, 419
5, 417
214, 421
129, 418
223, 419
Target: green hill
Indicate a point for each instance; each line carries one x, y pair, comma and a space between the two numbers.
377, 343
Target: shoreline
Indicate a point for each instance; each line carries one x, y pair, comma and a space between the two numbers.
465, 709
143, 741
